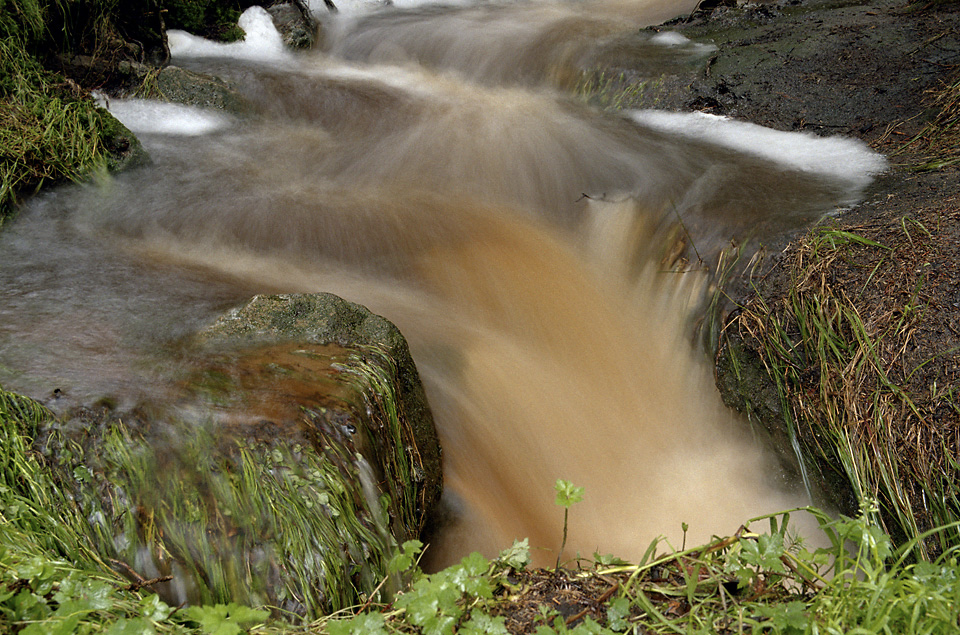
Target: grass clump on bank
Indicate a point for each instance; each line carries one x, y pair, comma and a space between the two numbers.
48, 132
50, 129
938, 143
861, 365
228, 535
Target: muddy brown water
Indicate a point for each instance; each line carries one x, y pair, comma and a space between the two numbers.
516, 236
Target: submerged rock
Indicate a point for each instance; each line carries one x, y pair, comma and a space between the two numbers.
183, 86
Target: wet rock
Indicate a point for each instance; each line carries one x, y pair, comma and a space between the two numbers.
125, 150
191, 88
294, 454
322, 319
827, 66
296, 25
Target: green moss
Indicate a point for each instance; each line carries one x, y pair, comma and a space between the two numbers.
216, 19
50, 130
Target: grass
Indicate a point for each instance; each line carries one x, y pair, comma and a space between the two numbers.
849, 392
55, 579
938, 143
212, 517
610, 91
292, 525
267, 525
50, 130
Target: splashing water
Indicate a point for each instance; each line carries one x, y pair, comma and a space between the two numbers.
426, 165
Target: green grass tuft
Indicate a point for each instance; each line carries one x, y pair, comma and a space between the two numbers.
846, 389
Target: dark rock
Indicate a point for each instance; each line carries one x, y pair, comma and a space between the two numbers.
183, 86
298, 28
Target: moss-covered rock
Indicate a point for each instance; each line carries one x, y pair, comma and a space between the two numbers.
184, 86
323, 318
293, 456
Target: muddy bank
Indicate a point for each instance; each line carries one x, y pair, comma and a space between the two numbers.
869, 70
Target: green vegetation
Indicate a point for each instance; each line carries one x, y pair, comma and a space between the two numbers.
258, 526
567, 495
50, 130
610, 91
216, 19
851, 393
750, 582
55, 579
45, 133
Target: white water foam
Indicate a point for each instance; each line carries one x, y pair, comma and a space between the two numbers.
669, 38
149, 116
843, 158
262, 41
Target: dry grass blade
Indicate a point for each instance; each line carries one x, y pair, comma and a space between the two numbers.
939, 141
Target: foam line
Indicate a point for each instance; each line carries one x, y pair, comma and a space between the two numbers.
148, 116
839, 157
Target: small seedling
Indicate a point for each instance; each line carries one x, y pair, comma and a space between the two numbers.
567, 495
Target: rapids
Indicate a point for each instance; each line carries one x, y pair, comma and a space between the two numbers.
544, 259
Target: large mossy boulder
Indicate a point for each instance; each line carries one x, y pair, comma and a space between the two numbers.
294, 455
386, 373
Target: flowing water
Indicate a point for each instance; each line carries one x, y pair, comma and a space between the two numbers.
545, 260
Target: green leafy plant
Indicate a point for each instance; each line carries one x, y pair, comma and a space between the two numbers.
567, 495
224, 619
517, 556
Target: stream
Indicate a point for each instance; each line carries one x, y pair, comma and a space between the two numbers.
546, 260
